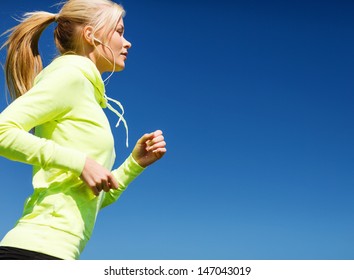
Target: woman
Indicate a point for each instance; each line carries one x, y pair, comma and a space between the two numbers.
72, 148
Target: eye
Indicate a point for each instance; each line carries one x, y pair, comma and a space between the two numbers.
120, 31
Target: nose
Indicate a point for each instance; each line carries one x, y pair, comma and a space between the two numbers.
127, 44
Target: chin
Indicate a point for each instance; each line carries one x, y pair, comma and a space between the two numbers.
119, 68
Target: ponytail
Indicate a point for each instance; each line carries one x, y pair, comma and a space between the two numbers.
23, 61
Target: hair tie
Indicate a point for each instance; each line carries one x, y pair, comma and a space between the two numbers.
56, 17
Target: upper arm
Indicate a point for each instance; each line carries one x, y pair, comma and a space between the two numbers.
51, 97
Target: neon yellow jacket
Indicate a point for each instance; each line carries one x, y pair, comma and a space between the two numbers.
65, 107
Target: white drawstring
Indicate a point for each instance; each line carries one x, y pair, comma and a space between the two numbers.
120, 115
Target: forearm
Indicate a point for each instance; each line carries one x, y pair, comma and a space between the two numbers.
19, 145
124, 174
127, 172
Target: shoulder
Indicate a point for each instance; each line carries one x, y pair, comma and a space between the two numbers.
60, 75
58, 85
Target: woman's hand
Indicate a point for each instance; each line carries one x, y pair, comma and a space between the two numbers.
98, 178
149, 148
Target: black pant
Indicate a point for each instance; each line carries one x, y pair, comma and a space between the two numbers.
11, 253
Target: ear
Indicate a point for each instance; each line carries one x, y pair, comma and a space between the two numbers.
88, 36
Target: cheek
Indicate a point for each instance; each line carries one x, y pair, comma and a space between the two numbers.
119, 43
116, 41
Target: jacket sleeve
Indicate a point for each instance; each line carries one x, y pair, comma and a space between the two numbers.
50, 99
124, 174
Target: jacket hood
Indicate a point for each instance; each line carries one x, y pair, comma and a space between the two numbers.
89, 70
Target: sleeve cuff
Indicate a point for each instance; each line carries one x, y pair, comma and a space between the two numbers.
127, 172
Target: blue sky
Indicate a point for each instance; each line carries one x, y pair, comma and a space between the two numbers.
256, 102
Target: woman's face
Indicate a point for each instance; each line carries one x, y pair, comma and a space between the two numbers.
115, 49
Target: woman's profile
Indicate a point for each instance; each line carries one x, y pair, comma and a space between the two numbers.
56, 123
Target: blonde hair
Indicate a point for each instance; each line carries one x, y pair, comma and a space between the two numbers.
23, 61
